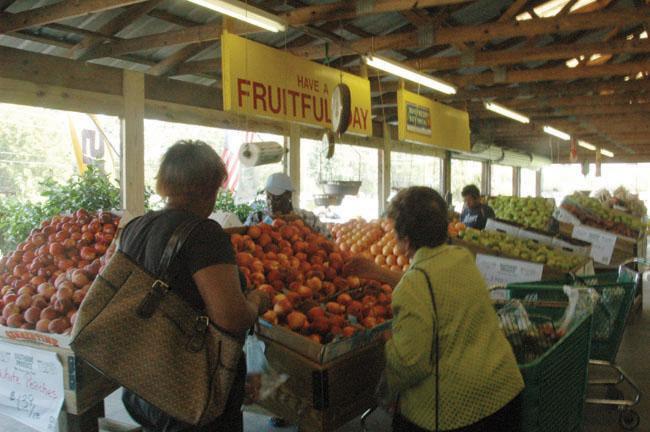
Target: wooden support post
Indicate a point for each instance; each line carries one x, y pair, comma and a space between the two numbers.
538, 183
446, 173
383, 170
486, 178
516, 181
132, 171
294, 161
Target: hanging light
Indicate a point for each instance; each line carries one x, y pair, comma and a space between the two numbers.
557, 133
244, 12
586, 145
607, 153
409, 74
500, 109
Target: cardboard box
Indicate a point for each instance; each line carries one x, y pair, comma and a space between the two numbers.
84, 386
324, 397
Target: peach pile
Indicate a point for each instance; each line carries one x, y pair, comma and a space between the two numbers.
376, 240
46, 278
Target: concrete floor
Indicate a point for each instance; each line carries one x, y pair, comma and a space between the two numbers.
633, 356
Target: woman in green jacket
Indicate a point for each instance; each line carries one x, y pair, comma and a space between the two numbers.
447, 360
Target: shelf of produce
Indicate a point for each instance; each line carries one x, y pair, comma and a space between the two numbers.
625, 247
549, 273
84, 387
323, 397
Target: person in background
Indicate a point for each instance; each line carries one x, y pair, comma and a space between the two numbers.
279, 191
475, 214
206, 275
447, 359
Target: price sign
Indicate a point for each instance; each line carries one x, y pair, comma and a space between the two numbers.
563, 215
501, 271
494, 225
602, 243
31, 386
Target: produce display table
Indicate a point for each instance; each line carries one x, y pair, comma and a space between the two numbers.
323, 397
84, 387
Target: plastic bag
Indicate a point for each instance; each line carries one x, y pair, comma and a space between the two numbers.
581, 303
261, 381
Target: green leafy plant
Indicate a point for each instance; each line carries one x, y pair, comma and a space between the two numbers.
226, 202
93, 190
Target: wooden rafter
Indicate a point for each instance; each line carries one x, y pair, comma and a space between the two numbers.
170, 64
57, 12
4, 4
560, 73
523, 55
343, 10
487, 32
113, 27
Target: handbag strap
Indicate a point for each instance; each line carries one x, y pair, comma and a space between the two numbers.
435, 341
174, 246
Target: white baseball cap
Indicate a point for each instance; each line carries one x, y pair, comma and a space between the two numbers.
278, 183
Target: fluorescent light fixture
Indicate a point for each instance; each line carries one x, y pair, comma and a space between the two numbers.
244, 12
606, 153
574, 62
586, 145
644, 35
409, 74
500, 109
557, 133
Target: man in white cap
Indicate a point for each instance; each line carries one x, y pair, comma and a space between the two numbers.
279, 204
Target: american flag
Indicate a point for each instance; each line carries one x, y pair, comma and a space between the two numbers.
231, 159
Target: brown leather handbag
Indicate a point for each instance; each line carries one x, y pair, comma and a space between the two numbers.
136, 330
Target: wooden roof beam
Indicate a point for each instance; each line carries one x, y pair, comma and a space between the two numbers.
561, 73
57, 12
487, 32
343, 10
524, 55
113, 27
197, 34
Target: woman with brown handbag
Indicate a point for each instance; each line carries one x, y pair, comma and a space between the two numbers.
204, 273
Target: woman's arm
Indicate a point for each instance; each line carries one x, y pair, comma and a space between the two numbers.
225, 303
408, 352
365, 268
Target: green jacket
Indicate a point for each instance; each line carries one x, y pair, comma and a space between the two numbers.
478, 370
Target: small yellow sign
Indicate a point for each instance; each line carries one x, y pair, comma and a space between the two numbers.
425, 121
263, 81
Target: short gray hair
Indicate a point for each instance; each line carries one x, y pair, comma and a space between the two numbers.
190, 169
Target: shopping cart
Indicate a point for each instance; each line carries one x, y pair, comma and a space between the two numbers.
556, 379
617, 291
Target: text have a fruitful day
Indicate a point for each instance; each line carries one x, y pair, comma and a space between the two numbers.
310, 104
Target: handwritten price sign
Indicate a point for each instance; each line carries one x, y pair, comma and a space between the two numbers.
31, 386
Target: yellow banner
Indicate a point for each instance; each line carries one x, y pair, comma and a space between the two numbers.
263, 81
425, 121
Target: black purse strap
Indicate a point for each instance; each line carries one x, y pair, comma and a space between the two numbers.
435, 345
174, 246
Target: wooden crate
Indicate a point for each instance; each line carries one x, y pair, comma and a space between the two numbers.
84, 387
323, 397
625, 248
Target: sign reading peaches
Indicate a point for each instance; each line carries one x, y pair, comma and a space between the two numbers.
262, 81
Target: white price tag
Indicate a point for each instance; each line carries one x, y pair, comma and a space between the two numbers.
494, 225
31, 386
563, 215
499, 271
602, 242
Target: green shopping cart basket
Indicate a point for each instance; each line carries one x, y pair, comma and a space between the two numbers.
617, 292
556, 381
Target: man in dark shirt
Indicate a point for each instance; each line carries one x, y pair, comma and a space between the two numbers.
475, 214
